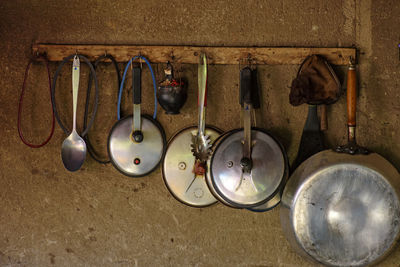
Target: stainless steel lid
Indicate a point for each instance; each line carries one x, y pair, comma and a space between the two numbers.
208, 174
178, 168
132, 158
267, 174
344, 209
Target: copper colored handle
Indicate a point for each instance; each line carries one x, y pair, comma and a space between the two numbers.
351, 96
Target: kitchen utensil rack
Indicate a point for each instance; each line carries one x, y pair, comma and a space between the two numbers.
190, 54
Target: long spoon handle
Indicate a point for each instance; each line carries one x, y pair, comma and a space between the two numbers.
75, 87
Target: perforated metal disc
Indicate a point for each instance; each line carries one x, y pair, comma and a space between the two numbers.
178, 167
267, 175
136, 159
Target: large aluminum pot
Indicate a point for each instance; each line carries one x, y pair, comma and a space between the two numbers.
342, 208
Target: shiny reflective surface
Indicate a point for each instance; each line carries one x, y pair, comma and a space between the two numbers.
131, 158
73, 149
178, 170
73, 152
342, 210
267, 174
270, 204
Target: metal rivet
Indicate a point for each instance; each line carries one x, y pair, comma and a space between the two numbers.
229, 164
182, 165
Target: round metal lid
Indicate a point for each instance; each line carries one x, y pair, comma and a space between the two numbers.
136, 159
208, 174
345, 213
269, 168
269, 205
178, 167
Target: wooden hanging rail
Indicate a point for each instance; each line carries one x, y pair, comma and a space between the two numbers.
190, 54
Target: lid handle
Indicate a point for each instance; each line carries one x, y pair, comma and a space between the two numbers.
245, 88
137, 134
137, 85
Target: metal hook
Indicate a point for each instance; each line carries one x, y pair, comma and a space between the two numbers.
249, 60
105, 53
76, 52
351, 60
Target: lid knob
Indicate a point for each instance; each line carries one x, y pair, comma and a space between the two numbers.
246, 164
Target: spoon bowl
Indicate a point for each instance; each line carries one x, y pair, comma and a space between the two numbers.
73, 152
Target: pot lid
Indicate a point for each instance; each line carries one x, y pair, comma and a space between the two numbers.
178, 169
132, 158
267, 173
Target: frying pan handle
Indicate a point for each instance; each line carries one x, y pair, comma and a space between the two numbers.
351, 95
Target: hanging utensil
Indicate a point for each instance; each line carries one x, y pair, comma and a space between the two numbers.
172, 93
316, 84
249, 166
185, 161
73, 150
342, 208
201, 142
136, 143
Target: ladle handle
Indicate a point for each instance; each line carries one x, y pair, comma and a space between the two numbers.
351, 96
75, 88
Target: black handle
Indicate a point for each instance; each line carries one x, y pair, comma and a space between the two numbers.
245, 86
137, 85
255, 90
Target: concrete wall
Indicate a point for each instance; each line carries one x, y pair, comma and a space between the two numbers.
97, 216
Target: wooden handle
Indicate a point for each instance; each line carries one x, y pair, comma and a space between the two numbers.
351, 96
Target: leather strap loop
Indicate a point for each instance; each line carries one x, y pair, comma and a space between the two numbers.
90, 148
21, 99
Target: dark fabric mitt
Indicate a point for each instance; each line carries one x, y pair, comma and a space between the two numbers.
316, 83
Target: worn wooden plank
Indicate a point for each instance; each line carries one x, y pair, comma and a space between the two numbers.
189, 54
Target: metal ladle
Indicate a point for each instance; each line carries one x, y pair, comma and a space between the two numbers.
73, 150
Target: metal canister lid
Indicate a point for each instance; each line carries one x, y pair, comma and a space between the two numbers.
178, 169
136, 158
267, 174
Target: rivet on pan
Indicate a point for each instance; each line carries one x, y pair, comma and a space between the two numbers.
229, 164
182, 165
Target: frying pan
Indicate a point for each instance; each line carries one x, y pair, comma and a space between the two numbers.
342, 207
